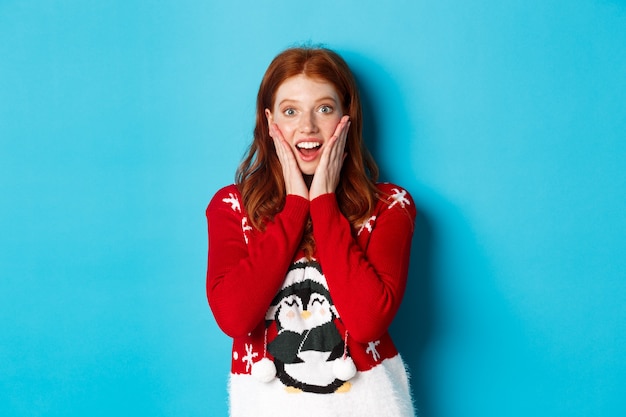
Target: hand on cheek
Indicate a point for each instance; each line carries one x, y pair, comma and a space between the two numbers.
294, 183
328, 171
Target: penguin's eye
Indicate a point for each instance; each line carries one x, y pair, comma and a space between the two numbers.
316, 300
290, 302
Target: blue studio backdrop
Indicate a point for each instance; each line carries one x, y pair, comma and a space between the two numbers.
506, 120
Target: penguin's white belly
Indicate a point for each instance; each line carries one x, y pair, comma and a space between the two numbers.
315, 370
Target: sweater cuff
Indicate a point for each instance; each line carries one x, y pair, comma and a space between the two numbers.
296, 207
325, 206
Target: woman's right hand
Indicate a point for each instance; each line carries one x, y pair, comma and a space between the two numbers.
294, 182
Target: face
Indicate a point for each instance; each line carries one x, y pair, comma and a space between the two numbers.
307, 112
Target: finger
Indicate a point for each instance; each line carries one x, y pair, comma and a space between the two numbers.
283, 150
343, 132
338, 135
279, 148
341, 127
279, 140
275, 131
344, 135
338, 145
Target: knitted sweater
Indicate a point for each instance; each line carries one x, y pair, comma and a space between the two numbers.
311, 318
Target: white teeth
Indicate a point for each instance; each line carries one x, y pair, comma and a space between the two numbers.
308, 145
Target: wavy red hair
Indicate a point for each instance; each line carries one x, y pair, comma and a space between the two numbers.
260, 178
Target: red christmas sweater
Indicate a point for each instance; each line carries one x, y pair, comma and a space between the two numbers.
260, 287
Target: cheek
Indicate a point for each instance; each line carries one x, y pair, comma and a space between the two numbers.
329, 125
286, 126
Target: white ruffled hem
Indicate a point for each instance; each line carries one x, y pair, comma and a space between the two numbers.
383, 391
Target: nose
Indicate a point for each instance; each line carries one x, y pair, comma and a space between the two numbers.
308, 123
306, 314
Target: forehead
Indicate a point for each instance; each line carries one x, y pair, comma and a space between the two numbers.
303, 88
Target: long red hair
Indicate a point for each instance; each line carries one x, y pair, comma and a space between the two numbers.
260, 178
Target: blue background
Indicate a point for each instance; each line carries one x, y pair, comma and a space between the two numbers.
506, 120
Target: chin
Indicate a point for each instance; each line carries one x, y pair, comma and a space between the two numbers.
308, 169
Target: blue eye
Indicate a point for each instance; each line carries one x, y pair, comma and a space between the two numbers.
326, 109
289, 112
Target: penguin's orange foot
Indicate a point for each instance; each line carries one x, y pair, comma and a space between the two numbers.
344, 388
293, 390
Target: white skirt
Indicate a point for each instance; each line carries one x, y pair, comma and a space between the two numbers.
382, 391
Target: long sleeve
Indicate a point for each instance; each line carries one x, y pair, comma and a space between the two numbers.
246, 267
367, 285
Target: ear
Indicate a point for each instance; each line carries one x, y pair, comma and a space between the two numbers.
269, 117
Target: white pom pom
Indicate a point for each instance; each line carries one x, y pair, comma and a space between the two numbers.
264, 370
344, 368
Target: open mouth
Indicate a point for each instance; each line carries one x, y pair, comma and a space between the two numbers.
308, 149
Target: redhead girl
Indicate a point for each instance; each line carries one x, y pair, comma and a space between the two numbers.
309, 254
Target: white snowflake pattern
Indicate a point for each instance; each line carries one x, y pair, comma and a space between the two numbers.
399, 196
245, 227
233, 201
371, 349
249, 358
368, 225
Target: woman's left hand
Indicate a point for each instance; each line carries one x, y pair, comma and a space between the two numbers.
327, 173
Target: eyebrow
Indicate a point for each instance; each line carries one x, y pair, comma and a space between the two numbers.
325, 98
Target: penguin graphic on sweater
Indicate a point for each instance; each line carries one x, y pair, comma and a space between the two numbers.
308, 343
